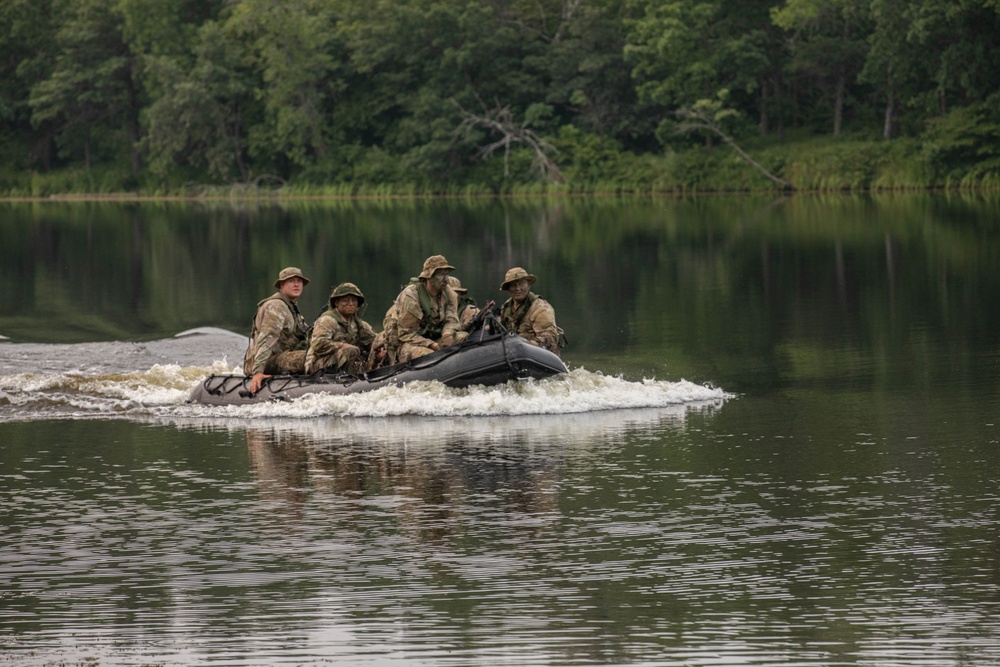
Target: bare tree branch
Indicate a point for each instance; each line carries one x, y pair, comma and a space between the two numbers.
569, 7
705, 116
500, 121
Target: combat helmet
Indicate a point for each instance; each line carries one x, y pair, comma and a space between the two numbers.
347, 289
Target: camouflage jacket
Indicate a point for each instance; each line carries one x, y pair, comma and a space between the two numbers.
278, 327
467, 311
534, 319
330, 331
417, 327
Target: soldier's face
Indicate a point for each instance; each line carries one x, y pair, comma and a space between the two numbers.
346, 305
519, 290
292, 288
438, 279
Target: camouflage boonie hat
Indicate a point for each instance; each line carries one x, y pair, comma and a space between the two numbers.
515, 274
346, 289
456, 285
289, 272
432, 264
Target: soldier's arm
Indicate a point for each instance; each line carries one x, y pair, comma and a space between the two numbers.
469, 318
409, 314
273, 317
366, 335
545, 333
451, 324
322, 342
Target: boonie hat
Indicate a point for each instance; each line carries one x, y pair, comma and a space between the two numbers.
456, 285
515, 274
347, 289
289, 272
433, 263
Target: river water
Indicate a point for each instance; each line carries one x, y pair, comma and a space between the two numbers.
778, 443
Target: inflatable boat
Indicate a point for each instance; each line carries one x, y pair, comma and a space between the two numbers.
487, 360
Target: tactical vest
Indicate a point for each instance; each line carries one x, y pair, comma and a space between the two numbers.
464, 301
353, 328
428, 328
390, 329
298, 338
507, 317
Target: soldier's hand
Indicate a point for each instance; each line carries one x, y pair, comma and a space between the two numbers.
256, 381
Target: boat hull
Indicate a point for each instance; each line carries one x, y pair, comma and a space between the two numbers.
488, 361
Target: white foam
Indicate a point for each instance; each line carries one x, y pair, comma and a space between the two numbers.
577, 392
163, 390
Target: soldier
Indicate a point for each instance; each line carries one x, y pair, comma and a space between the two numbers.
386, 341
467, 309
528, 314
278, 337
426, 312
340, 339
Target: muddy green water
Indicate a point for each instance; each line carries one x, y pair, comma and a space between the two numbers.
780, 443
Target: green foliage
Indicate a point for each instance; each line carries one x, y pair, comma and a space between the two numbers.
89, 86
196, 118
288, 47
966, 142
373, 96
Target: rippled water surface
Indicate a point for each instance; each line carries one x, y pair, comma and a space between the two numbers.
778, 445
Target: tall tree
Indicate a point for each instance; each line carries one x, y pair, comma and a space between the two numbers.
91, 89
27, 45
827, 46
683, 51
894, 64
959, 42
196, 117
588, 82
288, 44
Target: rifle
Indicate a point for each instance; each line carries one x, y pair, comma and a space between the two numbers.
487, 320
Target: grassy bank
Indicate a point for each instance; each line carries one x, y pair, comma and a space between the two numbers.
589, 168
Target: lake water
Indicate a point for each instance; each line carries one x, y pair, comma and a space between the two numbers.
779, 442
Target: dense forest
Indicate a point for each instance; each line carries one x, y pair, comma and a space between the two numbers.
452, 96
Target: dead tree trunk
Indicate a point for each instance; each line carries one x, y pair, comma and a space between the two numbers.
500, 121
698, 119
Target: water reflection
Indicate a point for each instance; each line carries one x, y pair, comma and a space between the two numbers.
645, 288
434, 460
843, 510
657, 536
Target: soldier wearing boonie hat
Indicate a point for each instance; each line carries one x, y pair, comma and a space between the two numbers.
426, 312
467, 308
288, 273
340, 339
278, 336
531, 316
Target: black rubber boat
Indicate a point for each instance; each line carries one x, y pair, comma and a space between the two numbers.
488, 360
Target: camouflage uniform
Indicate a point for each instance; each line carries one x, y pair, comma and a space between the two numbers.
336, 342
387, 339
422, 319
534, 319
278, 338
467, 308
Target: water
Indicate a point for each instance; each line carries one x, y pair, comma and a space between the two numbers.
777, 445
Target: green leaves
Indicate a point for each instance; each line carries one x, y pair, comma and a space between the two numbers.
197, 116
336, 90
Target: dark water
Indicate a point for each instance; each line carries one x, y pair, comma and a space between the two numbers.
779, 443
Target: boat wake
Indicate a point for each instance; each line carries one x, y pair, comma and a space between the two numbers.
83, 388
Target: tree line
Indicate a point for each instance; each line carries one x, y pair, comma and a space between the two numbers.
436, 94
